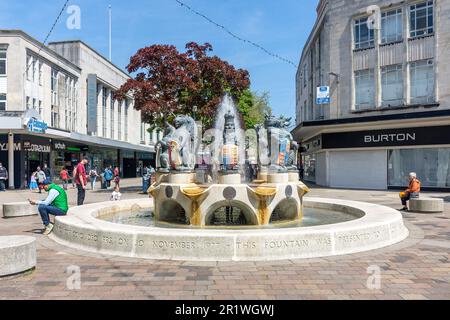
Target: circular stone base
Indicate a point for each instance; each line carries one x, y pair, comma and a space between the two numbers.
232, 178
377, 227
19, 209
17, 254
278, 178
294, 176
181, 178
426, 205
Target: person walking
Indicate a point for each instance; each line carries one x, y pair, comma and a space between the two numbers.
116, 177
40, 177
3, 177
33, 183
108, 173
146, 177
81, 180
47, 172
64, 174
412, 192
93, 175
55, 204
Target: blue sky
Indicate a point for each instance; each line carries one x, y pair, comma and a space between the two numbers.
281, 26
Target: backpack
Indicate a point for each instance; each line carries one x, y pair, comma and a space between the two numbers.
108, 174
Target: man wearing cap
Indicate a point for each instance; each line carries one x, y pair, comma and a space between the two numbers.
55, 204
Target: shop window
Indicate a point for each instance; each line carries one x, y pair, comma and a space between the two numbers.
364, 89
309, 163
364, 37
422, 82
432, 166
2, 62
391, 26
392, 85
2, 102
421, 19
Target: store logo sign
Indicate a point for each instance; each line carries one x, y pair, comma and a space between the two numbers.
394, 137
59, 146
36, 126
4, 146
28, 146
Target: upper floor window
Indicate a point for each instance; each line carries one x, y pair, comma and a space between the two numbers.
54, 87
392, 85
2, 102
391, 26
305, 75
364, 37
421, 19
40, 73
364, 89
29, 67
2, 62
422, 81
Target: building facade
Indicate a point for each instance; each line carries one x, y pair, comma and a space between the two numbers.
385, 64
56, 106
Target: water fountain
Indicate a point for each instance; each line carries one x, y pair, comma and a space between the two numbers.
224, 217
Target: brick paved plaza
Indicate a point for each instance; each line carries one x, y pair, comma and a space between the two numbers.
416, 268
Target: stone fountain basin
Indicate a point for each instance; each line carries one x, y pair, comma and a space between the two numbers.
377, 227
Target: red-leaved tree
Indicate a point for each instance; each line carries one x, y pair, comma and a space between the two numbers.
168, 83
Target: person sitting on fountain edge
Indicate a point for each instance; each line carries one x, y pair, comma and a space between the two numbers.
55, 204
411, 192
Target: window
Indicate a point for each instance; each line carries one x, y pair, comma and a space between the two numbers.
391, 26
421, 19
112, 115
104, 99
126, 119
2, 102
150, 134
142, 132
364, 89
54, 87
119, 119
305, 75
422, 82
2, 62
40, 108
430, 164
54, 117
40, 73
34, 104
28, 103
364, 37
29, 66
392, 85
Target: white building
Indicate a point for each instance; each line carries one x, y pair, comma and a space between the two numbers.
386, 64
66, 87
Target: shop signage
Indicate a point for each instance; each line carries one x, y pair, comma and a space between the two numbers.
4, 146
387, 138
59, 146
323, 95
37, 126
34, 147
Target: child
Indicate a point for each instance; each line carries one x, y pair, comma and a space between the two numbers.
33, 183
115, 195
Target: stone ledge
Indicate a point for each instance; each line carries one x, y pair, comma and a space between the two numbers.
379, 227
19, 209
17, 254
426, 205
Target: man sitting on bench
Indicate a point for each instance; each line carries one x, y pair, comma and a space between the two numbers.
55, 204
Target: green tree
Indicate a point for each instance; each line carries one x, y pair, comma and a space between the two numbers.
253, 106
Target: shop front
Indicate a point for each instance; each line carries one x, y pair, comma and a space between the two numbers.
379, 159
66, 155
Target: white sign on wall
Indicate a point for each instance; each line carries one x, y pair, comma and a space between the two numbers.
323, 95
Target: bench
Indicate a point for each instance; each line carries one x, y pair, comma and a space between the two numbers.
17, 254
19, 209
426, 205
